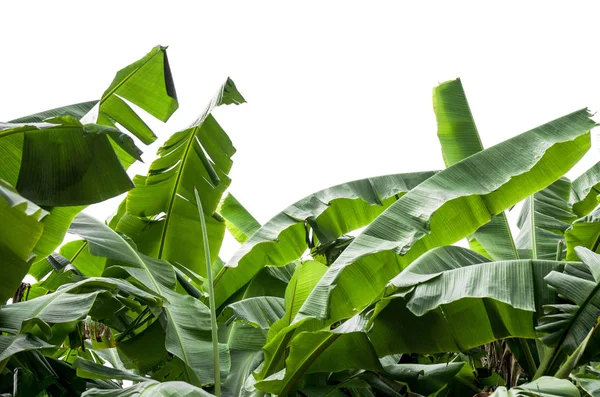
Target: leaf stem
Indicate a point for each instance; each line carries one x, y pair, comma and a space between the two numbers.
211, 297
559, 250
532, 368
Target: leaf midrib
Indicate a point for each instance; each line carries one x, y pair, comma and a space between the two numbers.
163, 236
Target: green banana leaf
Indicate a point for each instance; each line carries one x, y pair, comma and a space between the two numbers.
77, 110
239, 222
146, 83
10, 345
146, 352
345, 347
20, 232
91, 370
69, 303
243, 363
460, 139
424, 379
585, 191
59, 219
543, 387
243, 336
260, 312
34, 374
305, 277
283, 239
187, 319
452, 299
584, 232
456, 128
445, 208
566, 326
151, 389
543, 220
587, 350
162, 216
61, 163
588, 378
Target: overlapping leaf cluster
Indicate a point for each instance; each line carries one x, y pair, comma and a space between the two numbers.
358, 289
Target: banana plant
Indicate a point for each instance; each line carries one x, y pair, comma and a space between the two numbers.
354, 290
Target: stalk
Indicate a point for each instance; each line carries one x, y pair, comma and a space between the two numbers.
211, 298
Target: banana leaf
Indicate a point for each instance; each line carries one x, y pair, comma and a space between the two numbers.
584, 232
151, 389
239, 222
452, 300
585, 191
588, 378
567, 325
162, 216
283, 239
153, 75
187, 319
77, 110
543, 220
20, 232
260, 312
280, 334
460, 139
62, 163
543, 387
449, 206
345, 347
147, 83
91, 370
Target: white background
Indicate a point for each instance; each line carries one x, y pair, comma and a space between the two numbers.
336, 91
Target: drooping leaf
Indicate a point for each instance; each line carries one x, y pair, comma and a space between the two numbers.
61, 163
260, 311
139, 83
283, 239
69, 303
240, 223
91, 370
10, 345
187, 319
162, 217
452, 299
585, 191
543, 220
445, 208
423, 379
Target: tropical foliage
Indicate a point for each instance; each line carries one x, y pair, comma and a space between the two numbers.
360, 289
